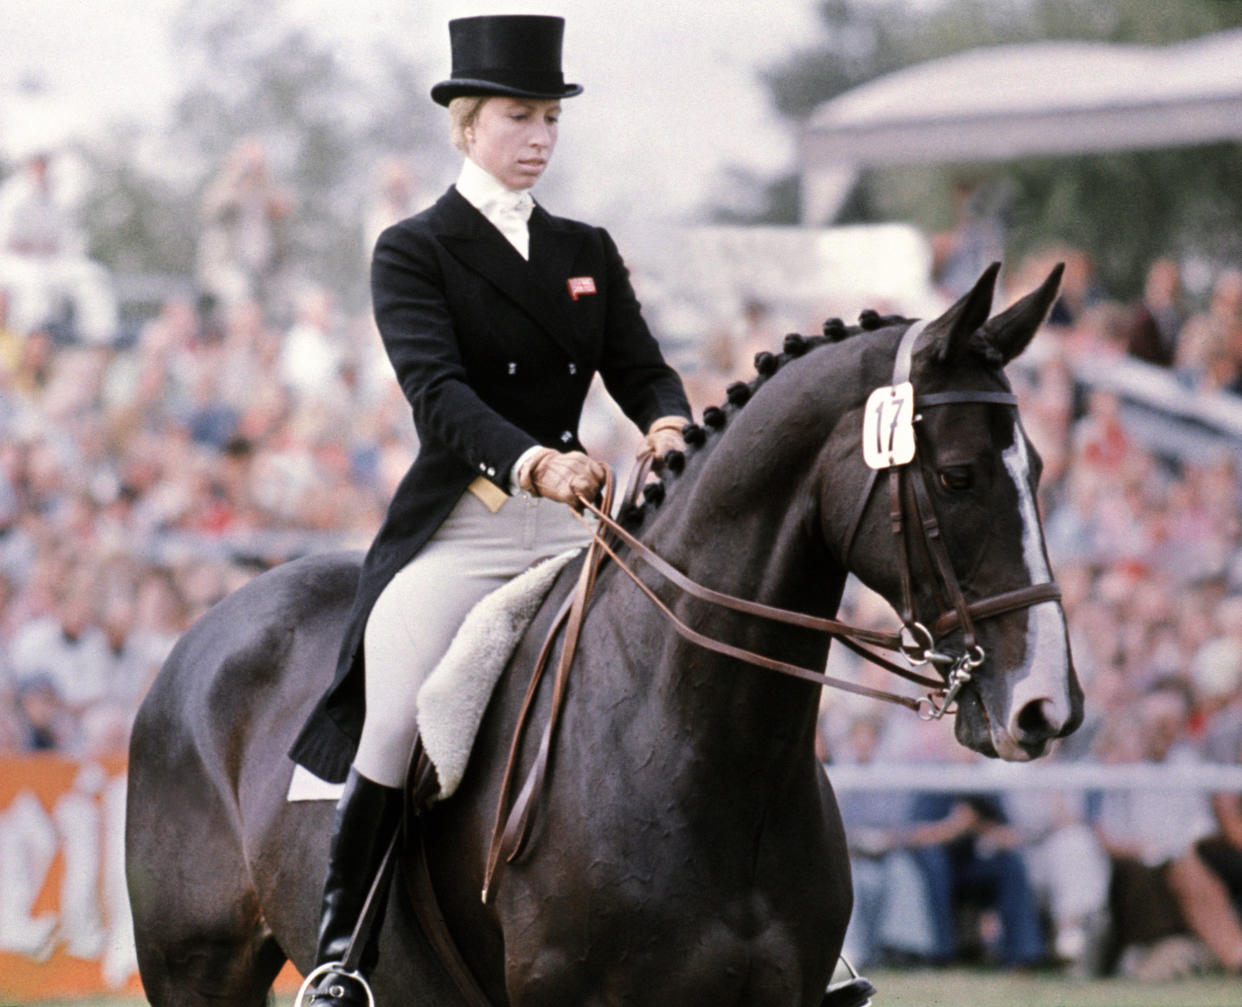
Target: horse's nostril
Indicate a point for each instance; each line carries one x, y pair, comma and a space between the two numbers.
1038, 719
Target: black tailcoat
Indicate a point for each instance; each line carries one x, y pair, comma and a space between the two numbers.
495, 355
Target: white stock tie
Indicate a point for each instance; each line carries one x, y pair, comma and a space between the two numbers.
510, 217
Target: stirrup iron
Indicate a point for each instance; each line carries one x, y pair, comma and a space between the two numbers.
856, 991
340, 969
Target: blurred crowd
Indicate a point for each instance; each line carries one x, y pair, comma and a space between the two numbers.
252, 420
249, 421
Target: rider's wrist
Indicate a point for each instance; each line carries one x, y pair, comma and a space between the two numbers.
526, 465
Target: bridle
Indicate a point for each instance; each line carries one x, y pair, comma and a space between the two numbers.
910, 506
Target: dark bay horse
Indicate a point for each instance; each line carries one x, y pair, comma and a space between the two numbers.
687, 848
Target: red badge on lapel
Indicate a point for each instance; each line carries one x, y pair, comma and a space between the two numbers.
579, 285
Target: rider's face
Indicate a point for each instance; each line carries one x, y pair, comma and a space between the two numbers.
512, 139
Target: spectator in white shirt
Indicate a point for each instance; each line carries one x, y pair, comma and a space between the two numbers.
43, 262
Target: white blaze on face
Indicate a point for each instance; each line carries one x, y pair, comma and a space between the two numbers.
1044, 676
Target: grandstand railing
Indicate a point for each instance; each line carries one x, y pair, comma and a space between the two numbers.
1048, 776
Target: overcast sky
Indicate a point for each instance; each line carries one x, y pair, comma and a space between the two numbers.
672, 89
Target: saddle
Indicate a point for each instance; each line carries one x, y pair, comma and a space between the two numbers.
452, 701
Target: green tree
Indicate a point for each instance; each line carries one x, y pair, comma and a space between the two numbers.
138, 221
251, 70
1190, 199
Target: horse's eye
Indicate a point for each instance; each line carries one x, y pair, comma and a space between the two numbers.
956, 478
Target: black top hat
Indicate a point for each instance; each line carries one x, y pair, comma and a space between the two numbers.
506, 54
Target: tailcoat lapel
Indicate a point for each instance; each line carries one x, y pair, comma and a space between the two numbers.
535, 286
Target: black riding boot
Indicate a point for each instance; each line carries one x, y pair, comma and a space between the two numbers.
367, 815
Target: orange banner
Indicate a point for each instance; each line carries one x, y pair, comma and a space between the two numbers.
64, 913
65, 924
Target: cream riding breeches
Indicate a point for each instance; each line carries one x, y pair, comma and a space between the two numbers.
416, 616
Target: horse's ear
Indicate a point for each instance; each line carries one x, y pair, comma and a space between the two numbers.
1011, 330
949, 335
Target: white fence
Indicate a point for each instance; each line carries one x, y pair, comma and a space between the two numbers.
1049, 776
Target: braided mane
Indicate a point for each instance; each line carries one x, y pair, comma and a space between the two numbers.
701, 437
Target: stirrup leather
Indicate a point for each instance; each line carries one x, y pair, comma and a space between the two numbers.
339, 968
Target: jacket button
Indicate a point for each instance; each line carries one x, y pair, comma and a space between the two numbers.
566, 436
573, 368
491, 472
512, 366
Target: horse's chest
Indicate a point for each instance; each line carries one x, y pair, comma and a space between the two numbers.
645, 934
705, 962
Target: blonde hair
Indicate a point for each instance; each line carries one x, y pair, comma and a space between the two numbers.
462, 113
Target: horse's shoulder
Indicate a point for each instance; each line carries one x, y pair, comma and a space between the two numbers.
566, 580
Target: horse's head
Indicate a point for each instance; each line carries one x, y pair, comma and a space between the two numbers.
950, 532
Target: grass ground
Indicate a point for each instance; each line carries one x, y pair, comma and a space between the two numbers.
964, 988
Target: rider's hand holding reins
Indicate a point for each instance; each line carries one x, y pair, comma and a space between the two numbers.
663, 436
567, 477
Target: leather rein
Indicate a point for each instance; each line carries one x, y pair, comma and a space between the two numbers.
910, 506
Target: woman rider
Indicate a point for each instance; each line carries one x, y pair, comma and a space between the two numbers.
495, 315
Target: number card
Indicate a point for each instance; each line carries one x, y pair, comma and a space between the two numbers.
888, 426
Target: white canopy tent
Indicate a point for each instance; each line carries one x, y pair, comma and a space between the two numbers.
1007, 102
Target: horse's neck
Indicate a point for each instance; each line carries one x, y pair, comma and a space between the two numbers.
747, 528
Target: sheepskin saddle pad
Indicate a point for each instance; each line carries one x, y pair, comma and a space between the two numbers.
452, 701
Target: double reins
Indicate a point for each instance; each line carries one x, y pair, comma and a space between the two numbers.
857, 639
510, 831
910, 505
